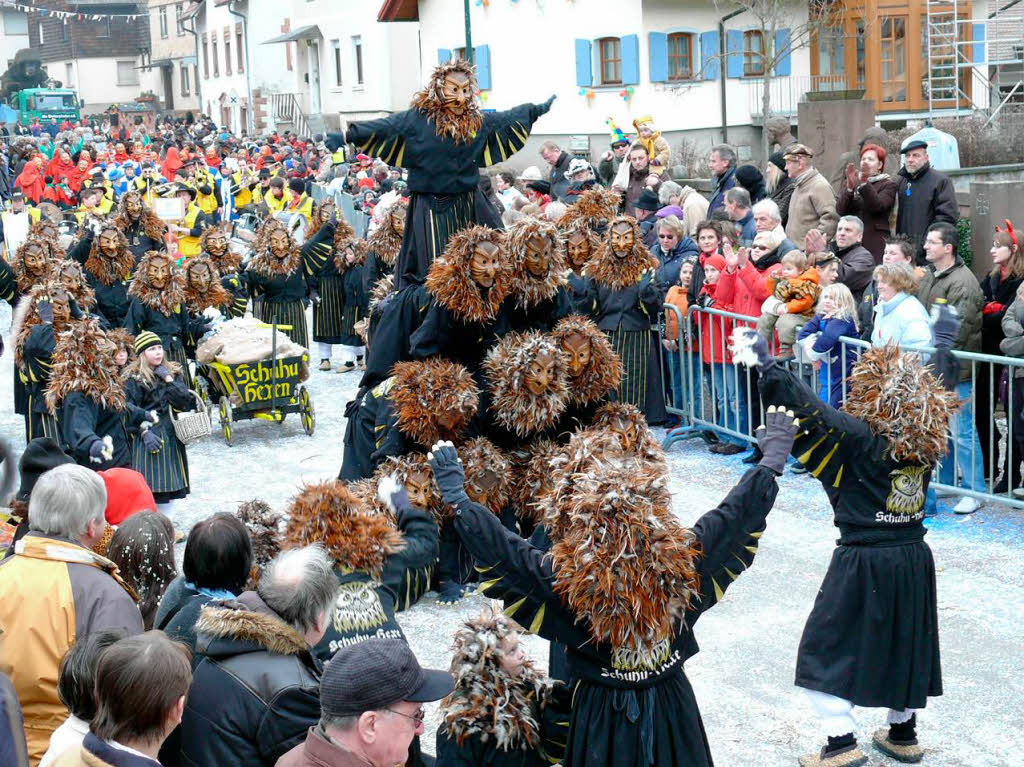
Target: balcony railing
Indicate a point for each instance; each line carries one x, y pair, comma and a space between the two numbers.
786, 92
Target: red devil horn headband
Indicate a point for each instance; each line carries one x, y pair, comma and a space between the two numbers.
1009, 231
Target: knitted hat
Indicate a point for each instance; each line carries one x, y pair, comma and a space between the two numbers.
146, 339
41, 455
127, 494
297, 185
716, 261
648, 200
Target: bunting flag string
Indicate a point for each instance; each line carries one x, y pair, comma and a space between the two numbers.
71, 15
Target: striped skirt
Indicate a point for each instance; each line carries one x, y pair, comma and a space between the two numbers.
177, 354
290, 313
166, 471
40, 423
641, 372
333, 320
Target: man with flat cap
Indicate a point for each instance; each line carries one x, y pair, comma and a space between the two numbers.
371, 708
813, 204
925, 196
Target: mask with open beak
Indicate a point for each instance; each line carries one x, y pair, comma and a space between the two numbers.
538, 260
472, 277
622, 259
159, 283
109, 259
593, 366
434, 399
526, 374
83, 360
449, 101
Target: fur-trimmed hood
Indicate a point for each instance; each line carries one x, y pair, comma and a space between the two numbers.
479, 455
527, 289
430, 101
264, 262
248, 620
901, 400
385, 241
534, 465
450, 282
487, 700
152, 226
332, 515
166, 298
618, 273
593, 209
422, 389
24, 279
79, 365
602, 373
83, 294
620, 559
227, 262
513, 405
110, 269
345, 238
215, 296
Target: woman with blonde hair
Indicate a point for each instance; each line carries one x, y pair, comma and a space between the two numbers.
899, 318
157, 384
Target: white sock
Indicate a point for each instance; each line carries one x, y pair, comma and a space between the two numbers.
899, 717
835, 713
325, 350
165, 507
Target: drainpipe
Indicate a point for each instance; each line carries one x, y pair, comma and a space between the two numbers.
248, 67
723, 69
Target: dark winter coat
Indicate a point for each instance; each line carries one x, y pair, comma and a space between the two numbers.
139, 242
631, 308
557, 178
722, 185
371, 433
98, 753
856, 266
176, 596
84, 420
924, 198
872, 202
671, 262
1001, 292
960, 289
13, 751
782, 195
255, 688
182, 625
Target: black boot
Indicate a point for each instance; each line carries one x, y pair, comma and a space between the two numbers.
839, 752
900, 741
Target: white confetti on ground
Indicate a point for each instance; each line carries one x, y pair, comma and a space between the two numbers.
743, 676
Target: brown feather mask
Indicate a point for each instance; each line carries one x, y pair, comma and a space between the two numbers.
430, 101
341, 248
620, 559
488, 474
533, 469
332, 515
215, 295
26, 317
152, 226
603, 368
71, 276
487, 700
450, 281
264, 526
528, 288
901, 400
568, 232
266, 263
508, 366
414, 472
433, 399
83, 360
609, 270
629, 425
385, 242
47, 232
163, 300
25, 279
593, 209
228, 261
114, 268
122, 339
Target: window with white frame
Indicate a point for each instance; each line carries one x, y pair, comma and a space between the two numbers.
357, 49
162, 12
127, 74
336, 53
15, 23
179, 22
186, 84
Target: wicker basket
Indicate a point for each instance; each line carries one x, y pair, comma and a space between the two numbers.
194, 424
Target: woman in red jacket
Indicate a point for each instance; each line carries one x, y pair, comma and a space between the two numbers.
721, 376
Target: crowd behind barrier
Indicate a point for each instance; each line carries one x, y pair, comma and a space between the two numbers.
694, 393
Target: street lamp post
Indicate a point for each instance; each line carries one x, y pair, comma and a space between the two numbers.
469, 34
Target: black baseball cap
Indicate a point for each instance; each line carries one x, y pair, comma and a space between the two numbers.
375, 674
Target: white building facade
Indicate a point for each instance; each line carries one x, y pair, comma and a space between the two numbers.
173, 69
13, 35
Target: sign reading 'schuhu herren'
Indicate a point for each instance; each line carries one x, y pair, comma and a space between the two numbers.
255, 381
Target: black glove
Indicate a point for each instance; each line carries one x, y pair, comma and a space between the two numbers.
946, 326
45, 311
96, 451
547, 104
161, 372
775, 437
448, 473
151, 441
750, 348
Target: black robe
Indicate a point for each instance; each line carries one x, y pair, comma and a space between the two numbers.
374, 270
581, 294
643, 716
629, 317
443, 175
281, 299
83, 420
111, 300
342, 299
873, 635
401, 314
364, 607
139, 242
166, 471
370, 433
543, 315
37, 356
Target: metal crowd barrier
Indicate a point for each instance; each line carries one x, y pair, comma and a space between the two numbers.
722, 401
346, 206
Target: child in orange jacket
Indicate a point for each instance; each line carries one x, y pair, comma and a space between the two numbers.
794, 295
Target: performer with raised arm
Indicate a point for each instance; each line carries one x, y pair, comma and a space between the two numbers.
872, 638
443, 140
622, 587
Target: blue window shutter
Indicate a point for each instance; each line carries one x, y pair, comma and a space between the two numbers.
482, 59
657, 53
630, 46
978, 49
783, 67
584, 64
709, 61
444, 55
733, 53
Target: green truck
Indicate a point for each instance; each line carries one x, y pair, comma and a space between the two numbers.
46, 104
